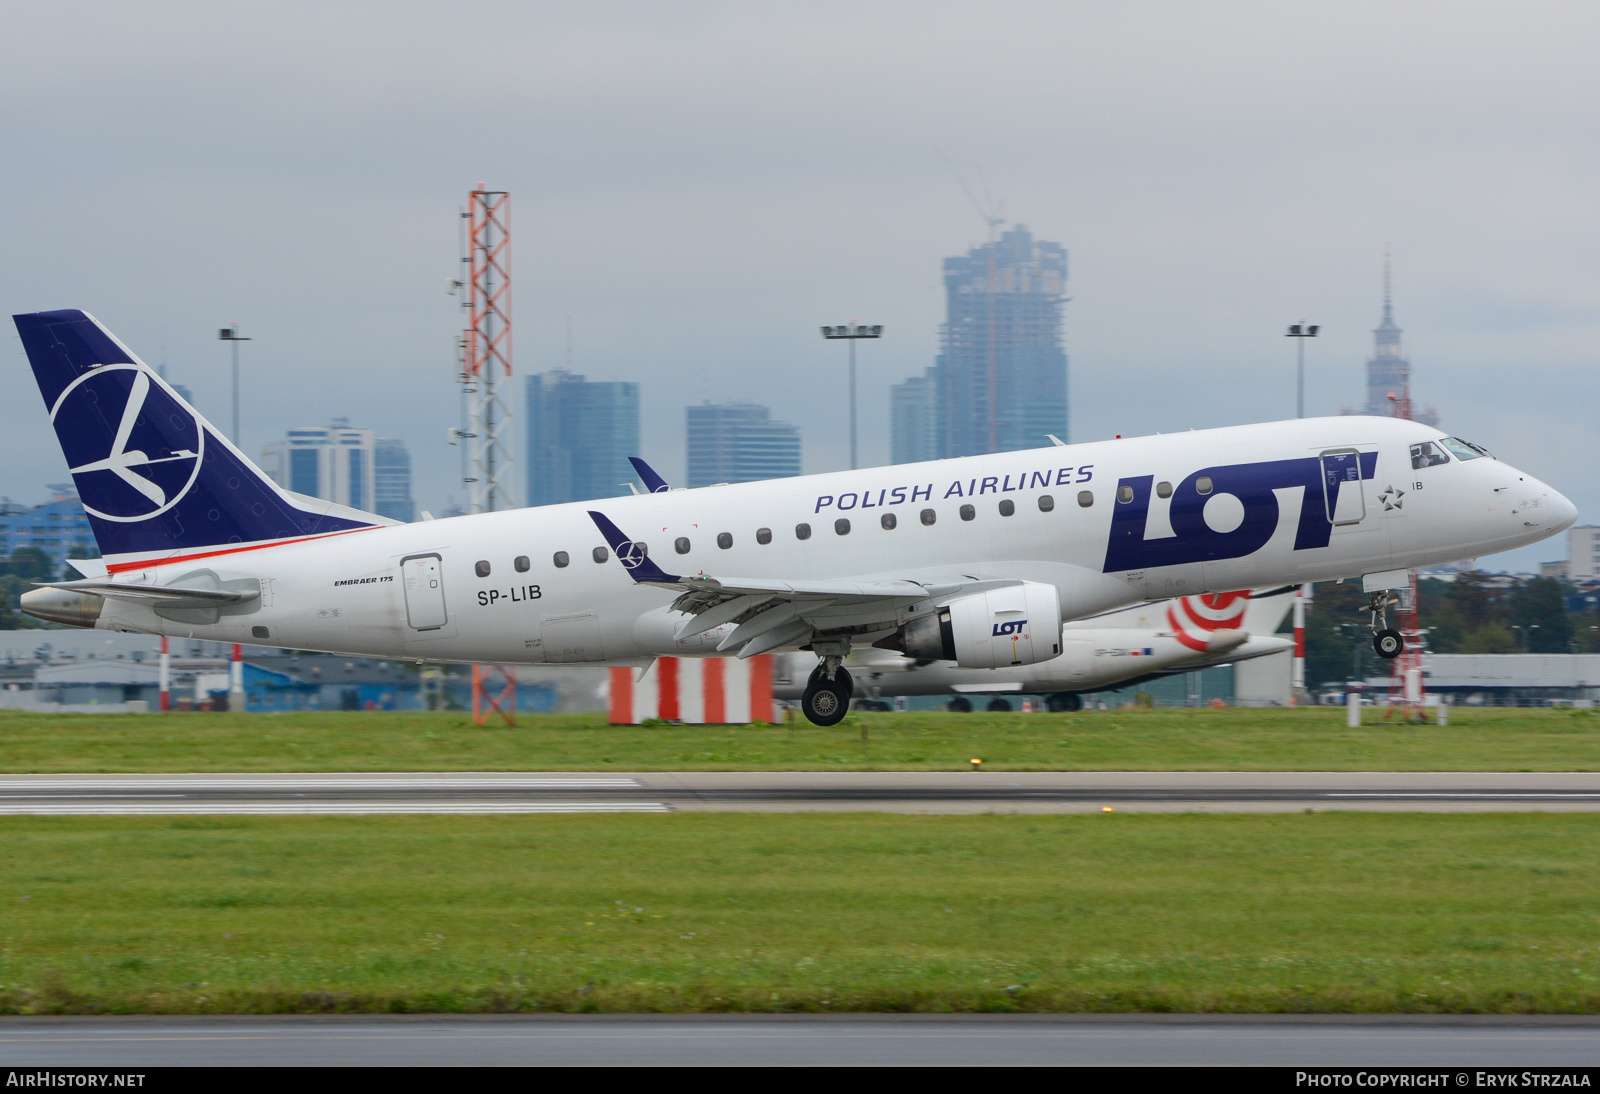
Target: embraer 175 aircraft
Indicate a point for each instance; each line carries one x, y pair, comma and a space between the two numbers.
1113, 650
975, 560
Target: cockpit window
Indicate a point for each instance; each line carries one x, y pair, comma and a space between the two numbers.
1464, 450
1427, 454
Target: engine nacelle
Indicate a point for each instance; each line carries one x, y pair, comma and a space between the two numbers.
1014, 625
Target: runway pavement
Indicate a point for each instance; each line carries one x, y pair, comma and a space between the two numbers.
798, 791
742, 1040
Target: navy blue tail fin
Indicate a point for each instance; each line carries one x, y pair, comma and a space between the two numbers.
653, 483
153, 474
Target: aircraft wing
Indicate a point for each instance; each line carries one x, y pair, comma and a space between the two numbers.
770, 613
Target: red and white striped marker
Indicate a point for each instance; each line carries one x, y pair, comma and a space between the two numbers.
702, 690
1297, 679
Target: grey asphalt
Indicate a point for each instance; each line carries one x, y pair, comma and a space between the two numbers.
798, 791
898, 1040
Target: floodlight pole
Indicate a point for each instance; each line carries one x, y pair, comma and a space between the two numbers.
1300, 332
851, 332
231, 335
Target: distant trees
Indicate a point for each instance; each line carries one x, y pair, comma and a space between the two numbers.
1475, 613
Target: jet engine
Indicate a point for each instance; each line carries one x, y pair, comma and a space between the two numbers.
1013, 625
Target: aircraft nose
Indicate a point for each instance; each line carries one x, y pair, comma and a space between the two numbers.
1563, 514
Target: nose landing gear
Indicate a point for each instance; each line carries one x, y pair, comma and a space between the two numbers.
1385, 639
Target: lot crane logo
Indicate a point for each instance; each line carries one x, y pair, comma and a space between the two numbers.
1194, 618
631, 553
134, 450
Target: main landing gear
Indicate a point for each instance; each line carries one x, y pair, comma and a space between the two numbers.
1385, 639
827, 696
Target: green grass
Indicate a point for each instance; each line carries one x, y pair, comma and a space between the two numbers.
1311, 739
813, 912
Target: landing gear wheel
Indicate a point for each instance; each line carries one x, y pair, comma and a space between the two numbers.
841, 675
1064, 701
959, 705
997, 706
826, 702
1388, 643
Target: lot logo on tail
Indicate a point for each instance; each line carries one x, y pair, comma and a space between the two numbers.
134, 450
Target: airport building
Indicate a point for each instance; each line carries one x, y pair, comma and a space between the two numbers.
1000, 381
339, 463
579, 435
59, 527
739, 442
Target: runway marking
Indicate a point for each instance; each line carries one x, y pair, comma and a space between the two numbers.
1556, 795
334, 782
323, 808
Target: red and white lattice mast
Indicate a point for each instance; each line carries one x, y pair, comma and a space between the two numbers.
485, 360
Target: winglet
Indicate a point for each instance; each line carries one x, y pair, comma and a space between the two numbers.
632, 554
653, 482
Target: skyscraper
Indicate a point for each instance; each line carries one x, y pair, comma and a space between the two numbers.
333, 462
739, 442
1001, 375
391, 490
1388, 369
579, 435
914, 419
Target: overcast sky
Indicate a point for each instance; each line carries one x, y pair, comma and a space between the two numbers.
700, 186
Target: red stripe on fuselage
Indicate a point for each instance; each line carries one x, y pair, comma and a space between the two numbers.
124, 567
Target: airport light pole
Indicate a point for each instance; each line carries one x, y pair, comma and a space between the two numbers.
851, 332
231, 335
1300, 332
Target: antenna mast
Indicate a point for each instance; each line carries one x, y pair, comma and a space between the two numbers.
485, 360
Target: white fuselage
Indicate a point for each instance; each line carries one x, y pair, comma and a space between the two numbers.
346, 593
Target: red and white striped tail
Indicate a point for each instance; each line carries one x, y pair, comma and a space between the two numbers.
695, 689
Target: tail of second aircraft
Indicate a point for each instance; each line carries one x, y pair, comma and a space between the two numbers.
154, 475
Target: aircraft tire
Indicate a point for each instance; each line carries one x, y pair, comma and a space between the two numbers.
1388, 643
825, 703
1064, 701
843, 674
959, 705
999, 706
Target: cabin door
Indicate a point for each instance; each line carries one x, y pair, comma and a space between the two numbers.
1342, 490
424, 588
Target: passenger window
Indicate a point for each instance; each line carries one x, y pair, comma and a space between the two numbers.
802, 531
1007, 507
1427, 454
1202, 485
601, 554
1163, 490
724, 540
522, 564
763, 536
1463, 450
561, 559
1046, 503
841, 526
681, 545
888, 521
929, 516
1085, 498
1124, 493
968, 512
482, 568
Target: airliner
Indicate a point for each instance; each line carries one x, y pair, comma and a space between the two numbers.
1112, 650
975, 560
